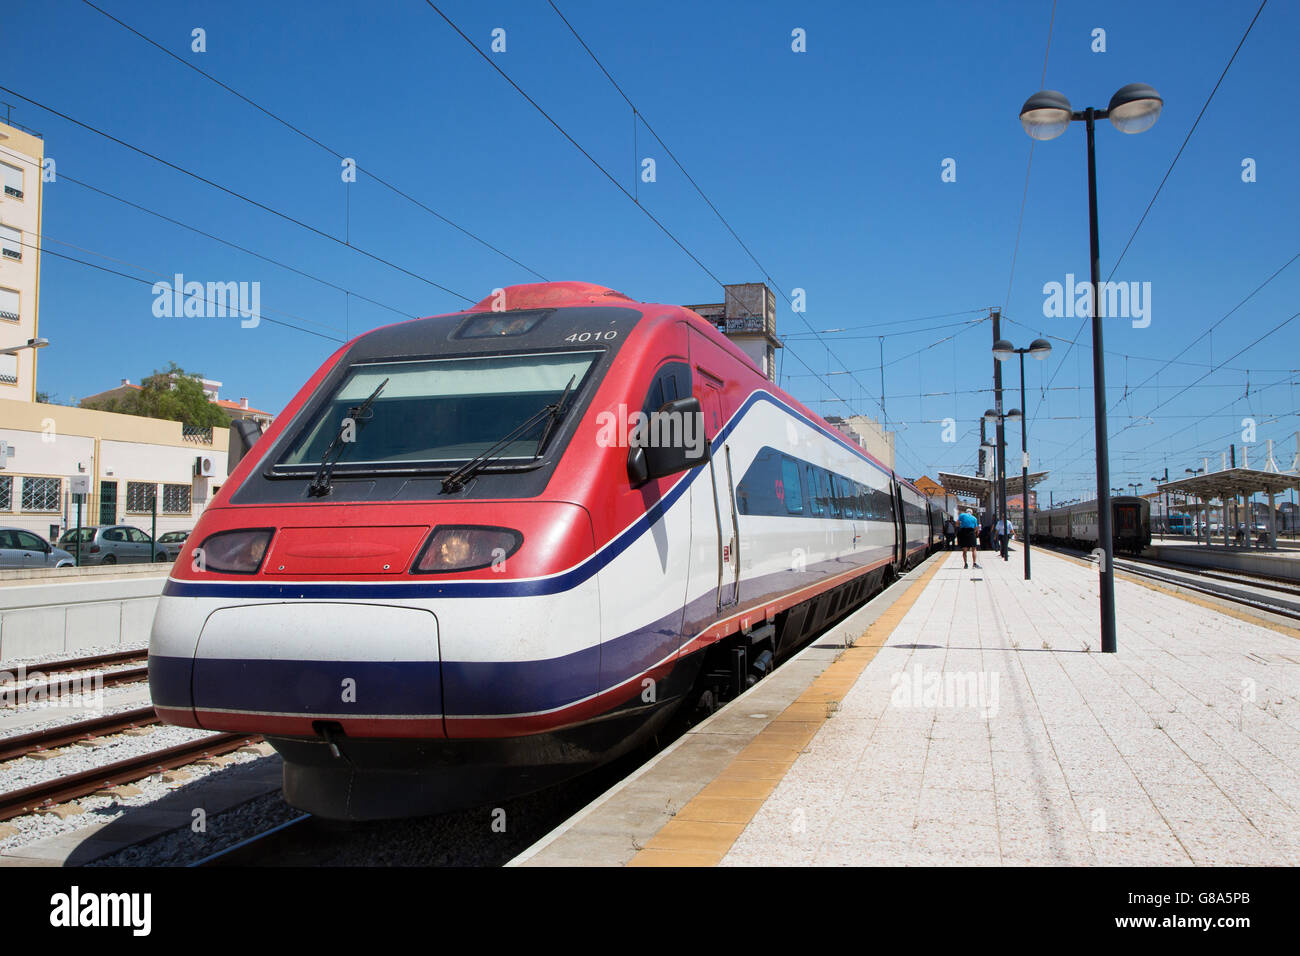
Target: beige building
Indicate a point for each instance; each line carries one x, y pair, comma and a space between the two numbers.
747, 316
129, 464
21, 156
866, 431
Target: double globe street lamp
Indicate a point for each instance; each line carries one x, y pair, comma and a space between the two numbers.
1003, 350
998, 420
1046, 115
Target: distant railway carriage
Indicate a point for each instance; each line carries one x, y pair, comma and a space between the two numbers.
1076, 525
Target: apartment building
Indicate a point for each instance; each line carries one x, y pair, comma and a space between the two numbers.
21, 156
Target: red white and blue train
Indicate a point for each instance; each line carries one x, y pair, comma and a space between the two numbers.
479, 553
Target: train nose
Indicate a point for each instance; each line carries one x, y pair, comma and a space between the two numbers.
288, 669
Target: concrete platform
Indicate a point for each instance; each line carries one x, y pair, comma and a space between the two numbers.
1279, 563
975, 722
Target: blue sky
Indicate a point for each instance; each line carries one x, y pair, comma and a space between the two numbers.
826, 163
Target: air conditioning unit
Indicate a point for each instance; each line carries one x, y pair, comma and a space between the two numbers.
204, 467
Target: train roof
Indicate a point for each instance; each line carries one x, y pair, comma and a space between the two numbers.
447, 333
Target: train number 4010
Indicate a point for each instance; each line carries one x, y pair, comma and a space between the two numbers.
592, 336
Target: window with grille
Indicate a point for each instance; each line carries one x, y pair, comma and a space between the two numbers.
13, 180
9, 369
6, 493
9, 305
41, 494
176, 499
11, 242
140, 496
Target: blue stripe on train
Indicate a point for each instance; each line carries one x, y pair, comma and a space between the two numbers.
468, 687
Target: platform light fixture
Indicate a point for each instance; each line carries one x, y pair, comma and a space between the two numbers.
1003, 350
1046, 115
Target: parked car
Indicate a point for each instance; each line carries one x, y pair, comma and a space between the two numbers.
112, 544
173, 542
23, 549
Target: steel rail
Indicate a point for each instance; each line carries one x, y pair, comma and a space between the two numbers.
23, 744
52, 792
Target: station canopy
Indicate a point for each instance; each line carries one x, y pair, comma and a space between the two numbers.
976, 487
1232, 482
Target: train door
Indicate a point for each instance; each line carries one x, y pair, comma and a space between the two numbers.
900, 525
723, 487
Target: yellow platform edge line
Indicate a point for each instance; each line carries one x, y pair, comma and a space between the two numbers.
704, 830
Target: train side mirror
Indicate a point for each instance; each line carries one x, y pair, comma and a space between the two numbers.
673, 442
243, 435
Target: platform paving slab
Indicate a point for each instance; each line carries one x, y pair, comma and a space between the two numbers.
990, 730
619, 826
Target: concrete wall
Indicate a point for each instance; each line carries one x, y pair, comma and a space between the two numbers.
1273, 564
78, 610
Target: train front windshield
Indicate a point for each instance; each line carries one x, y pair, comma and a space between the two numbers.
440, 411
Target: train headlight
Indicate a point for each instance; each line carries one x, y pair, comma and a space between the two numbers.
466, 548
235, 552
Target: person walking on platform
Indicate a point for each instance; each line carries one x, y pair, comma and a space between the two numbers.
949, 532
1002, 534
967, 525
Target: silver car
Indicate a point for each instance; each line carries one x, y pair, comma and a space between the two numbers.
23, 549
173, 542
112, 544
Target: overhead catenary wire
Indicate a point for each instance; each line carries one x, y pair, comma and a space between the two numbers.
311, 139
1160, 187
671, 155
605, 172
64, 177
236, 194
262, 316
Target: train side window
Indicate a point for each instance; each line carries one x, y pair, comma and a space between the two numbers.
815, 506
884, 505
793, 486
672, 381
827, 483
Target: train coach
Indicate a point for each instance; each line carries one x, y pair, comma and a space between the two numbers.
482, 552
1076, 525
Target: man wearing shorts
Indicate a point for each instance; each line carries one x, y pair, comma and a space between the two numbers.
967, 524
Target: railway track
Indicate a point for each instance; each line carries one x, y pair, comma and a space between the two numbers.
60, 790
21, 745
1214, 582
58, 677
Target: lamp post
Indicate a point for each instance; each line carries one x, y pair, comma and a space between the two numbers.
1046, 115
993, 417
1157, 481
1039, 349
1205, 517
31, 344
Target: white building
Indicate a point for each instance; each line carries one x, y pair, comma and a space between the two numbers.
132, 465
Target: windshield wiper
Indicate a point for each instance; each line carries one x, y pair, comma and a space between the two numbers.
356, 418
557, 412
456, 480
